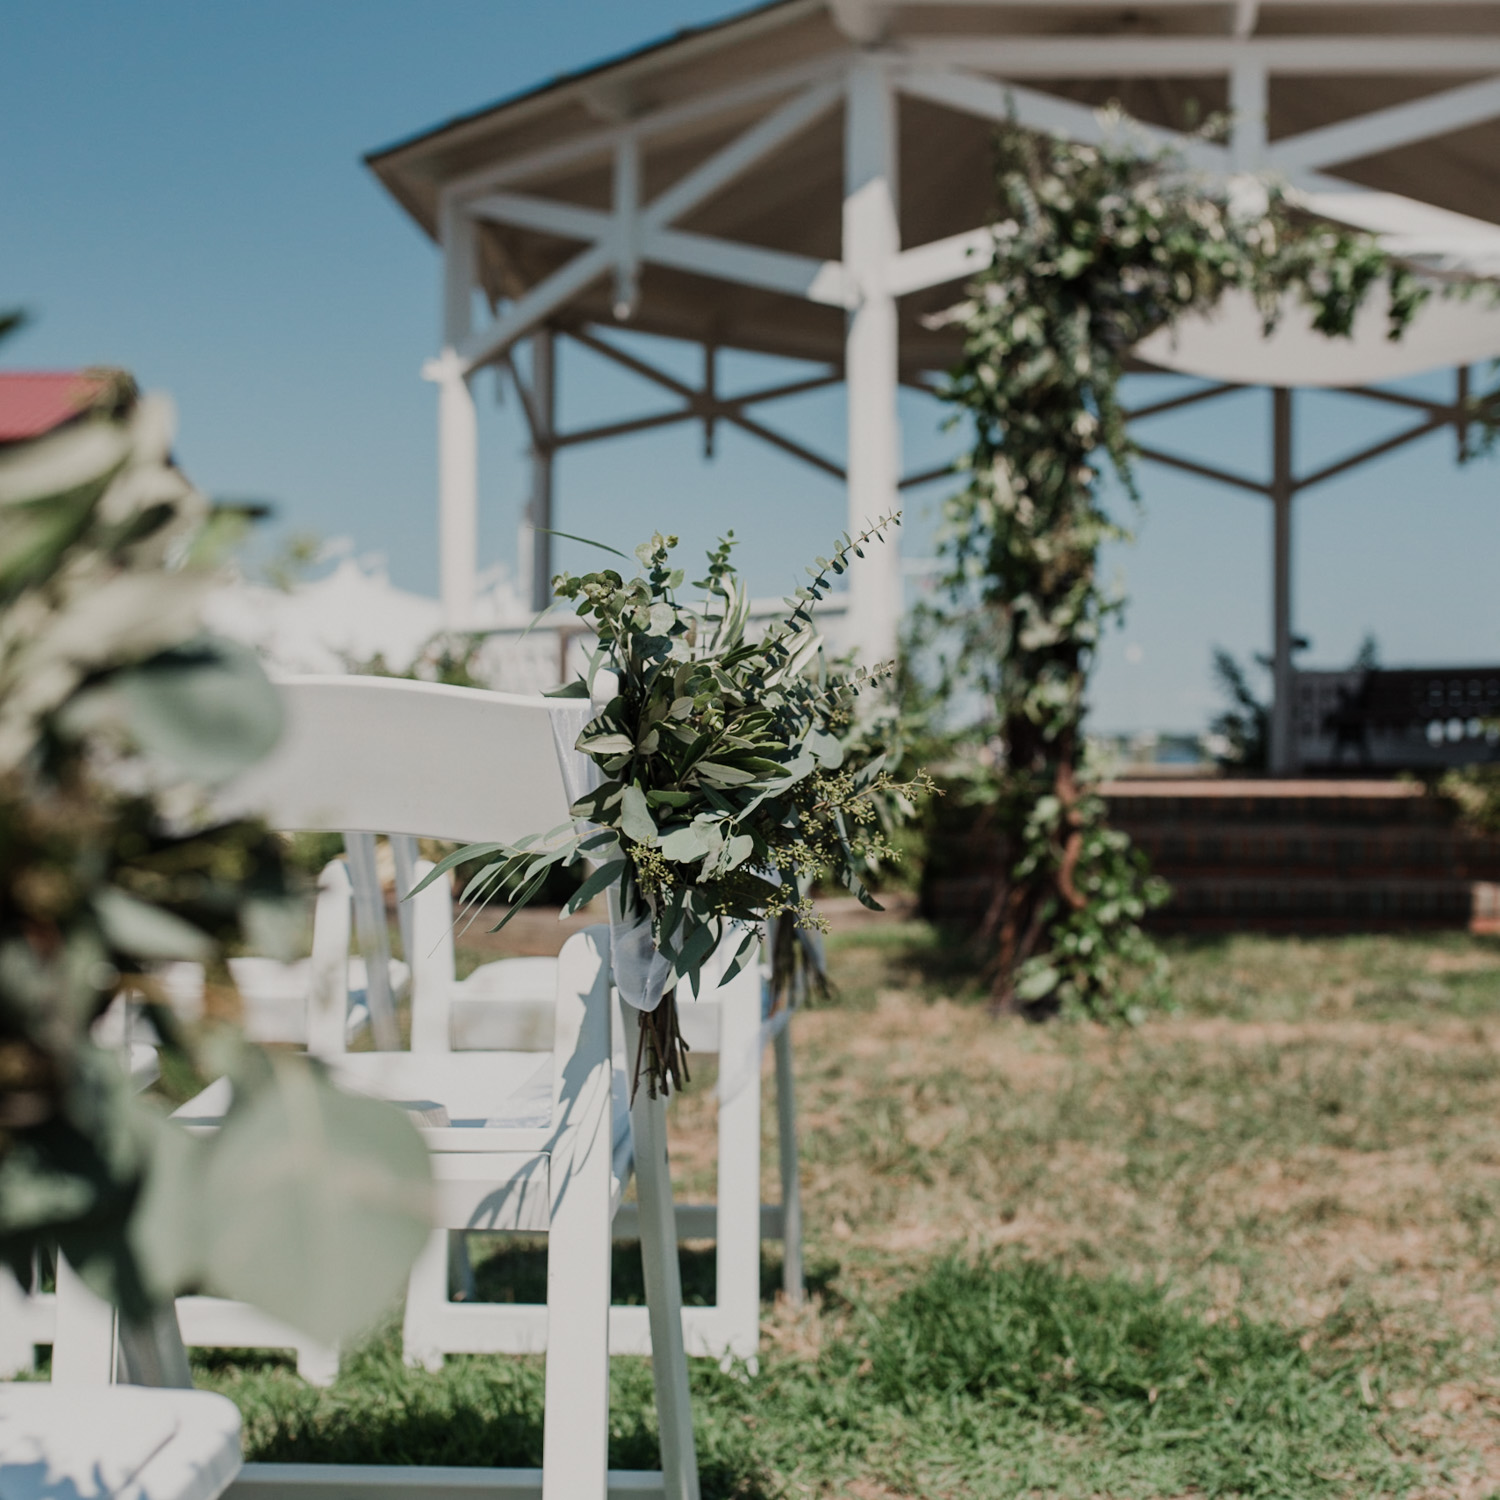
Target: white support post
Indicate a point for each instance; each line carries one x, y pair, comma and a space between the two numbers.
1283, 489
1247, 109
458, 433
872, 241
627, 207
538, 543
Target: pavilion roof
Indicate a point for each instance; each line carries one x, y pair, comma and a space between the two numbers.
1167, 62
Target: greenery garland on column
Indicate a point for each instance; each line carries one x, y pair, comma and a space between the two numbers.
1098, 247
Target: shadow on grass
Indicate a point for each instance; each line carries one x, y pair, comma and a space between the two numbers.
513, 1268
914, 957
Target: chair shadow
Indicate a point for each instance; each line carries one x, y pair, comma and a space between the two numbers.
513, 1268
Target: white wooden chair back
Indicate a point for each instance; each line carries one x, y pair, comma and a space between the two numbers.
384, 755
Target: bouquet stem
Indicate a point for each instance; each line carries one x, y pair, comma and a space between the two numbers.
661, 1049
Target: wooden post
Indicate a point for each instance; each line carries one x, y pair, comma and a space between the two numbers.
1283, 488
871, 241
539, 512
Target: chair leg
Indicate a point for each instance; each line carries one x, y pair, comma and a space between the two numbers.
679, 1459
461, 1268
84, 1348
318, 1364
791, 1176
575, 1435
426, 1293
17, 1352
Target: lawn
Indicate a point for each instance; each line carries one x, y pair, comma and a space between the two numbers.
1249, 1248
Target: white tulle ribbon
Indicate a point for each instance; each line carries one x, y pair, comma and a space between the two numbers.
641, 974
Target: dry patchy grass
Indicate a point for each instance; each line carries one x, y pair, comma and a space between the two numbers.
1292, 1182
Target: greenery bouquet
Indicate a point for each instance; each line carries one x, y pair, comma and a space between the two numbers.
726, 778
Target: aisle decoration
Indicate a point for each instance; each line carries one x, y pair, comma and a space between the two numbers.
727, 780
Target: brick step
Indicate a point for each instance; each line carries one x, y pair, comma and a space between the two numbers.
1179, 851
1374, 804
1227, 904
1292, 904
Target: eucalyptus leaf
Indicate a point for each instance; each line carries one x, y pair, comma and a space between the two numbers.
635, 816
315, 1203
148, 932
683, 845
206, 707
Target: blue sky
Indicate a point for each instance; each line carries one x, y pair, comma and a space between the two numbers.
181, 193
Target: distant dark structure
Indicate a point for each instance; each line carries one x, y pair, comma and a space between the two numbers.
1412, 719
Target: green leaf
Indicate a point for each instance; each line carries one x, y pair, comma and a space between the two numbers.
828, 751
207, 707
147, 932
718, 774
606, 744
683, 845
748, 944
314, 1202
739, 849
459, 856
587, 541
1035, 983
598, 882
635, 816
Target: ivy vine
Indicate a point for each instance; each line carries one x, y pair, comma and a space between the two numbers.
1097, 247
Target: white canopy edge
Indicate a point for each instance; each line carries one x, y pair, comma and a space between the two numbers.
1452, 329
1228, 345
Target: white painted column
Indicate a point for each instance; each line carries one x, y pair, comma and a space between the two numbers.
458, 433
871, 240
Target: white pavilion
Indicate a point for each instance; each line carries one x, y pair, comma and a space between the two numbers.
811, 178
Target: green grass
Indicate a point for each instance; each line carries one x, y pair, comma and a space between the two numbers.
987, 1378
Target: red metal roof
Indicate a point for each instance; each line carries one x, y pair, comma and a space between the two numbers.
33, 402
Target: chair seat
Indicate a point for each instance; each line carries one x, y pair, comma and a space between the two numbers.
116, 1443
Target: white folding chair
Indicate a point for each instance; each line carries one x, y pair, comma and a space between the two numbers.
507, 1004
518, 1141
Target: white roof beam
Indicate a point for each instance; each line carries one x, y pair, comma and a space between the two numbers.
991, 100
567, 220
742, 153
940, 261
1207, 56
538, 303
1383, 129
775, 270
822, 281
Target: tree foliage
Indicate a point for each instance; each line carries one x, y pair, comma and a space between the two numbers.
1097, 247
